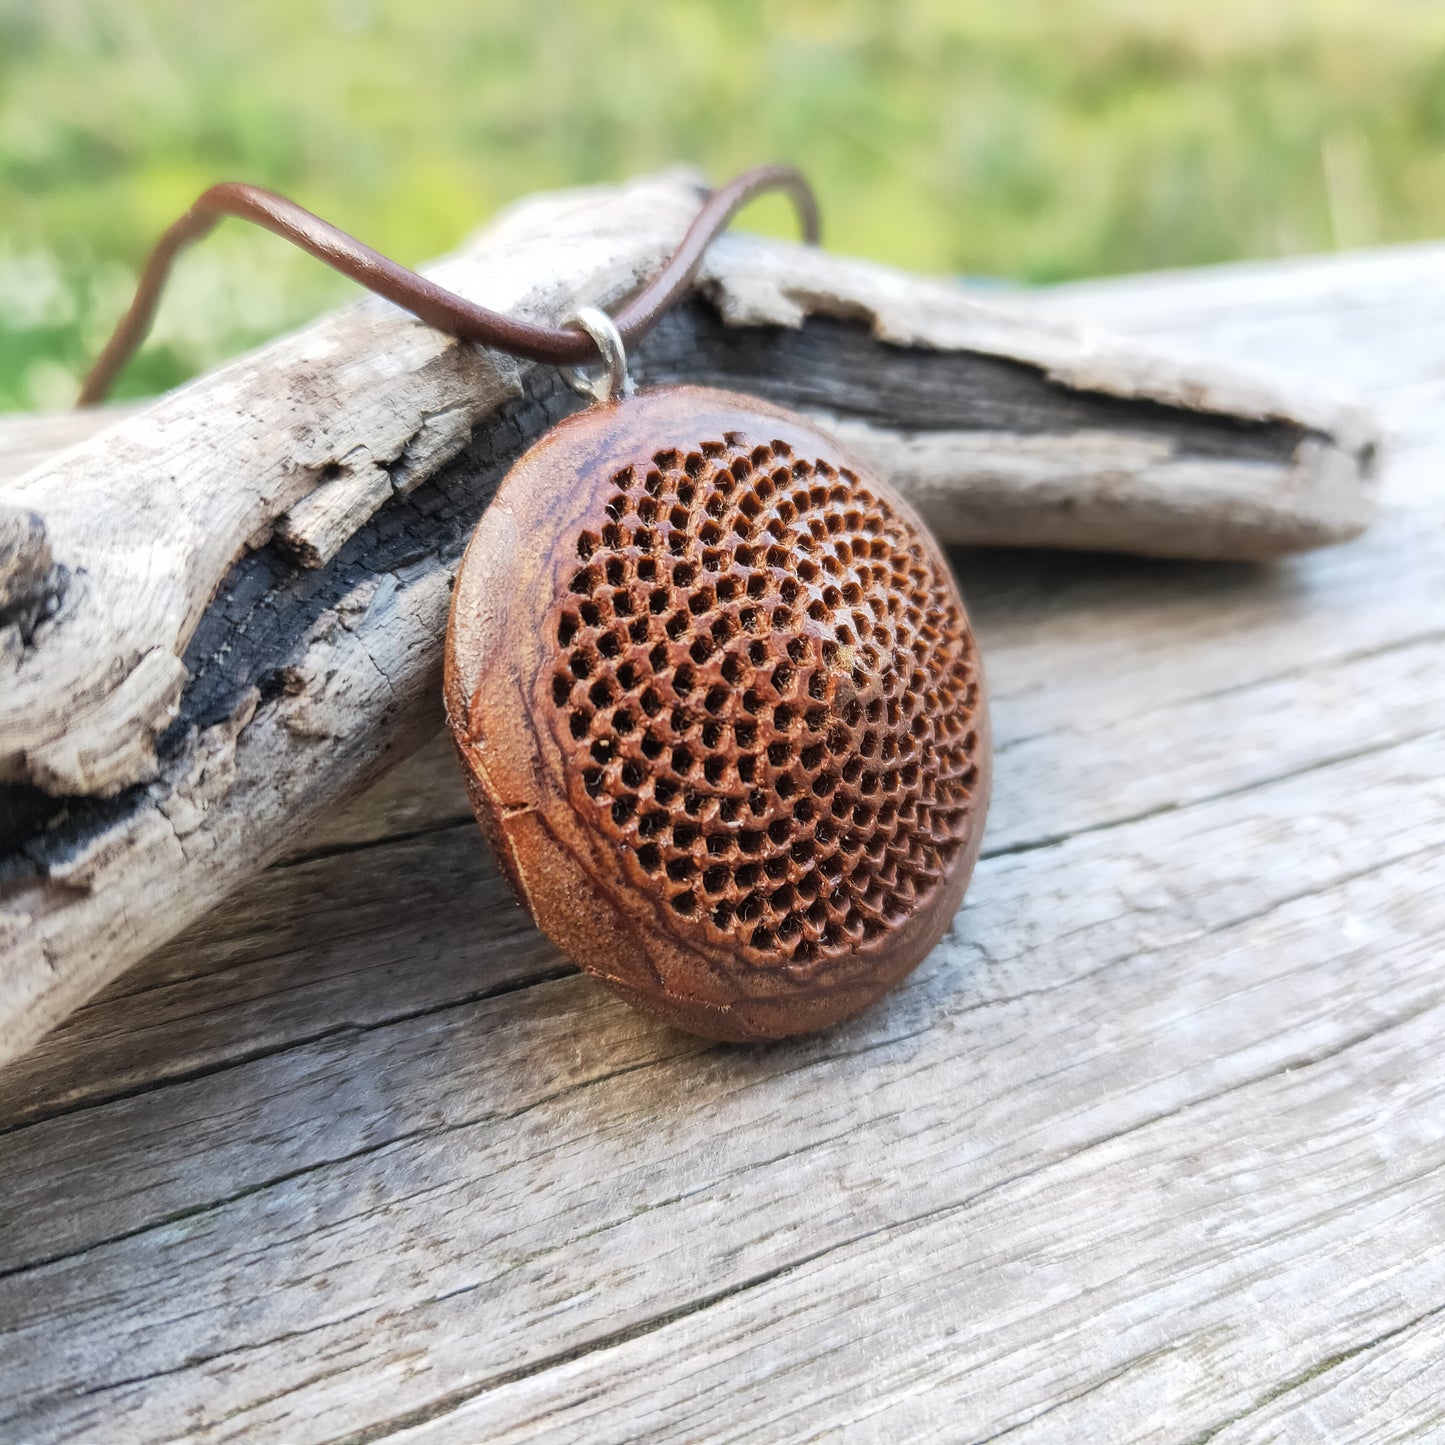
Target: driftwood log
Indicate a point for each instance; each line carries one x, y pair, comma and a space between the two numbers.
225, 611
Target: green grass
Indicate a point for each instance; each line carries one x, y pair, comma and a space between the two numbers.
1033, 139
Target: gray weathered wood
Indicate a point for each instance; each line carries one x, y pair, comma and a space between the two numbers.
240, 590
28, 440
1150, 1150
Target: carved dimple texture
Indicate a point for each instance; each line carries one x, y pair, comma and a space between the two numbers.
769, 696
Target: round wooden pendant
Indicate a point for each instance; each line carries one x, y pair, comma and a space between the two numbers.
720, 712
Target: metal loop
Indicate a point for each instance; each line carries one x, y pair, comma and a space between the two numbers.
614, 381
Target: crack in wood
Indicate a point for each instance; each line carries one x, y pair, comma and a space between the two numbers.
1313, 1372
814, 1061
551, 975
614, 1339
1110, 825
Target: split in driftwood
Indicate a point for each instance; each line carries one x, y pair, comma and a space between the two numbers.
228, 611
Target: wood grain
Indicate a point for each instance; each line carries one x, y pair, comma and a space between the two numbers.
1150, 1148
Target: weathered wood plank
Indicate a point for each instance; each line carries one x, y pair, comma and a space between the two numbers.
465, 1246
1149, 1150
324, 949
1183, 876
1126, 1323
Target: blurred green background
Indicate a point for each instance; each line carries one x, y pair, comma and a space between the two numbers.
1028, 139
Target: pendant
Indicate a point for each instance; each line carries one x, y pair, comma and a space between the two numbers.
719, 709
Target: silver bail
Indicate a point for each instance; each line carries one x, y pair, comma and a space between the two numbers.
603, 384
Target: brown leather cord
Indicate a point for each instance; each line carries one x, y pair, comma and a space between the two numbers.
438, 307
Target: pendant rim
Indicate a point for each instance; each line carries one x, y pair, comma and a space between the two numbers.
517, 773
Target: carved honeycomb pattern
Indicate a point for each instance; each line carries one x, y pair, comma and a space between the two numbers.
770, 696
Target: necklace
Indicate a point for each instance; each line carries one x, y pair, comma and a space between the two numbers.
719, 710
